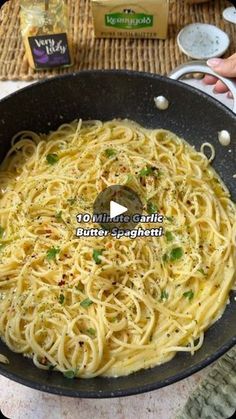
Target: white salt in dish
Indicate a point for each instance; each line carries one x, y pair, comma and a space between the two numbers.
202, 41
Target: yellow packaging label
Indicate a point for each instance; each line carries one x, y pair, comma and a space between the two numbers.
130, 19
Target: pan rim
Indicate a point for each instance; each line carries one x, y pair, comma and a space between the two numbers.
95, 394
122, 72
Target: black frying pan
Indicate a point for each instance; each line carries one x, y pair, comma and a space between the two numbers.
105, 95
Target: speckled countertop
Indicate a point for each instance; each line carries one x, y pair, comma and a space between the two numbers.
20, 402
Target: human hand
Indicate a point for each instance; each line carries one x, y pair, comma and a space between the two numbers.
224, 67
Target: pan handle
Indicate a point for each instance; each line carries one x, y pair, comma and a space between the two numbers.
202, 67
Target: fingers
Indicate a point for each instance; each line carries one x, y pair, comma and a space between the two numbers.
210, 79
220, 87
224, 67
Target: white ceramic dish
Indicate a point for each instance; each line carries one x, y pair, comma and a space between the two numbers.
229, 14
202, 41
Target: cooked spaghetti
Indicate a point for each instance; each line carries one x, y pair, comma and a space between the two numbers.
93, 306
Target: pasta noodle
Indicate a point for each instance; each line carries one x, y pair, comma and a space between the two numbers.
92, 306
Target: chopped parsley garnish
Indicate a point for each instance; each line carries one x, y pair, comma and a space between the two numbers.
176, 253
110, 152
61, 298
151, 207
146, 171
72, 201
169, 236
1, 232
86, 303
91, 331
202, 271
96, 256
129, 178
51, 367
165, 257
188, 294
69, 374
113, 319
2, 245
79, 286
52, 158
52, 253
164, 295
170, 219
158, 173
58, 216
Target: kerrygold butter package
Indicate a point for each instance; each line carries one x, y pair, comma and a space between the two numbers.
130, 19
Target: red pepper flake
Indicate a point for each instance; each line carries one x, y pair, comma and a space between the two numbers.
61, 283
44, 361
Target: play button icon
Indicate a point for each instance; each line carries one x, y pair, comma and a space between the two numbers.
116, 209
116, 206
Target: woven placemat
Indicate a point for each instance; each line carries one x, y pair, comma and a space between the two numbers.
155, 56
215, 397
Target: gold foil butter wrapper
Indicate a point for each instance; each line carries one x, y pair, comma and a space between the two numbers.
130, 19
